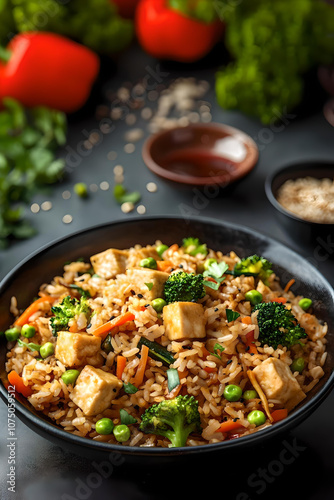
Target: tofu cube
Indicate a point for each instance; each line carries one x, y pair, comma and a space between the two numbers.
110, 263
140, 276
94, 390
184, 320
277, 382
78, 349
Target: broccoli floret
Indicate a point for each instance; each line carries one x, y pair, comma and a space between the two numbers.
174, 419
254, 265
184, 287
193, 246
277, 325
68, 309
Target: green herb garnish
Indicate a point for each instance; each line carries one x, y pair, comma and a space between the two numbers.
216, 271
231, 315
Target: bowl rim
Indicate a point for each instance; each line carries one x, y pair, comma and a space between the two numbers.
47, 427
294, 167
240, 171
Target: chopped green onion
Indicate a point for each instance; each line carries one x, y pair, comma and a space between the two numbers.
31, 346
231, 315
126, 419
129, 388
218, 349
157, 351
81, 291
173, 379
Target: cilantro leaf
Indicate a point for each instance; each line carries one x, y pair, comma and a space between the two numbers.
231, 315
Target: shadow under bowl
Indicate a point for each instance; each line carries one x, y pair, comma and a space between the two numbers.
201, 154
298, 228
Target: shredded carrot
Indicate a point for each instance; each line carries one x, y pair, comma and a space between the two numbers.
205, 352
281, 300
121, 362
183, 374
139, 377
229, 425
24, 318
247, 320
208, 369
250, 342
165, 265
278, 415
103, 330
73, 328
289, 285
175, 392
17, 381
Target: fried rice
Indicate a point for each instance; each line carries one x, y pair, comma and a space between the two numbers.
202, 374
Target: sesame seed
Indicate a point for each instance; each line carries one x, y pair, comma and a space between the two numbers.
35, 208
151, 187
118, 170
94, 188
131, 119
104, 185
129, 148
141, 209
67, 219
66, 195
146, 113
46, 206
127, 207
112, 155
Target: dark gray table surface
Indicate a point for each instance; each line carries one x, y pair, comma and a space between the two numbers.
301, 461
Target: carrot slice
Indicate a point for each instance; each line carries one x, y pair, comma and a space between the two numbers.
103, 330
174, 248
247, 320
281, 300
165, 265
139, 377
17, 381
229, 425
250, 342
278, 415
289, 284
208, 369
24, 318
121, 362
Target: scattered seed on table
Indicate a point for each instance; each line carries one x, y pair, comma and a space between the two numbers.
66, 195
94, 138
127, 207
94, 188
123, 94
119, 179
131, 119
184, 121
153, 95
116, 113
67, 219
112, 155
104, 185
206, 117
194, 117
146, 113
105, 128
141, 209
46, 206
204, 108
118, 170
35, 208
151, 187
87, 144
138, 90
129, 148
134, 135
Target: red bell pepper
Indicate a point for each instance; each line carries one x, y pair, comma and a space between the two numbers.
167, 33
126, 8
45, 69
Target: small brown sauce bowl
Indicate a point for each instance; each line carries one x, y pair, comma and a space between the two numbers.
201, 154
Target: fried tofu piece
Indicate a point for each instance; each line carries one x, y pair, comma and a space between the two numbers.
95, 390
140, 276
110, 263
78, 349
184, 320
277, 382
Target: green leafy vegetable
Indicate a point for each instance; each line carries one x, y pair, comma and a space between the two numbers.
126, 419
272, 45
28, 141
231, 315
30, 345
157, 351
94, 23
218, 350
215, 271
254, 266
129, 388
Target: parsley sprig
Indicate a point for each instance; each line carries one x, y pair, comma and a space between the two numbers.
216, 271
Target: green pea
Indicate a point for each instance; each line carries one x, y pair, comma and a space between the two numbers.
104, 426
158, 304
208, 263
161, 249
149, 262
122, 433
70, 376
47, 350
28, 331
250, 394
254, 297
297, 365
232, 392
13, 334
256, 417
81, 189
305, 304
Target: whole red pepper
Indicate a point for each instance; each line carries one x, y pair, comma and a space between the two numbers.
45, 69
166, 33
126, 8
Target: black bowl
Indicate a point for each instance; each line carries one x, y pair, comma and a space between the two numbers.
48, 262
298, 228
